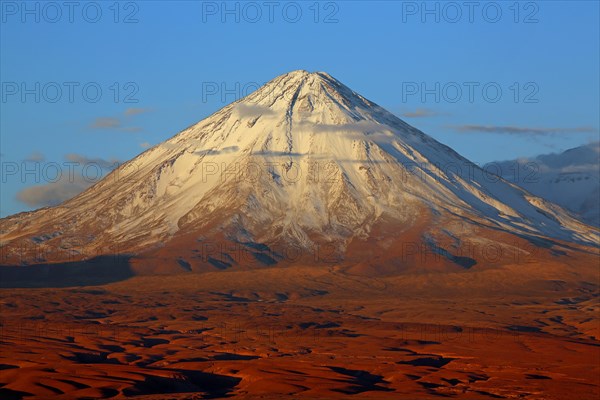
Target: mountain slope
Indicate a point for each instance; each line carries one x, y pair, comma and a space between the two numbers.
302, 162
570, 179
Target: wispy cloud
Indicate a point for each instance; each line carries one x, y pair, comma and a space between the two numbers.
225, 150
53, 194
421, 113
102, 163
251, 110
145, 145
274, 153
69, 185
106, 123
520, 130
353, 127
36, 156
137, 111
120, 122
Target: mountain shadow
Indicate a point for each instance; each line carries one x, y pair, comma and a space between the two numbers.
96, 271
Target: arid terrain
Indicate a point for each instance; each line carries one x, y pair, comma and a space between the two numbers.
528, 331
405, 271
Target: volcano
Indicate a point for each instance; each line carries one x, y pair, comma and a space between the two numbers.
302, 170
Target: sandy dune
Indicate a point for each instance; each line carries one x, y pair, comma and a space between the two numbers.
509, 332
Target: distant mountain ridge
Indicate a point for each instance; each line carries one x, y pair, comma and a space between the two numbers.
570, 179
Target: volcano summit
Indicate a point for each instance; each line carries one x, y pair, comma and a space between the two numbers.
304, 169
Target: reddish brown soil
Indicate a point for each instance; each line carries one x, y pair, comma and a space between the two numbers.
528, 331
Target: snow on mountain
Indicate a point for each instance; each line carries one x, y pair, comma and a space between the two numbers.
570, 179
303, 160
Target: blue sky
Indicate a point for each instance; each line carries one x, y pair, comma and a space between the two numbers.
153, 62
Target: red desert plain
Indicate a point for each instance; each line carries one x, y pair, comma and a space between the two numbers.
527, 331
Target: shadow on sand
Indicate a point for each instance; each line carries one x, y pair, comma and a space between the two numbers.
96, 271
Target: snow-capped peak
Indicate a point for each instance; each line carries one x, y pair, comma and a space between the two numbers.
301, 160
